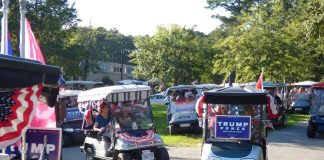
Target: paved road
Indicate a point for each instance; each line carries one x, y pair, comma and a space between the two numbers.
284, 144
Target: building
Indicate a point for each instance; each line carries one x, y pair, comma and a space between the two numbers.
111, 70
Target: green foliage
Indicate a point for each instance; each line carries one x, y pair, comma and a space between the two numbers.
173, 55
284, 37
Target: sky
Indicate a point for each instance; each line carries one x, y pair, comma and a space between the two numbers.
141, 17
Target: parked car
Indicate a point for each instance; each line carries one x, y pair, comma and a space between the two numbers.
157, 99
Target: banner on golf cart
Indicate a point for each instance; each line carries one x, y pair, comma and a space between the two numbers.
73, 114
182, 106
233, 127
36, 146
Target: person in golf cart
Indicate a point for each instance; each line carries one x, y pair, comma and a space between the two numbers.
132, 128
103, 124
234, 124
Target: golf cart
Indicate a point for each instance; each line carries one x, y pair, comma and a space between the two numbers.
132, 128
316, 120
276, 110
301, 98
181, 113
234, 124
70, 118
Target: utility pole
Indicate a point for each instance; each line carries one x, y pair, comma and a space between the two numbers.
121, 60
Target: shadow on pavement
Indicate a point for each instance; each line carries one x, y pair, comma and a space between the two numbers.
296, 136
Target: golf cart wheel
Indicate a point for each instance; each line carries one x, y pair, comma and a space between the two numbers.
172, 129
311, 131
66, 141
89, 154
162, 154
124, 156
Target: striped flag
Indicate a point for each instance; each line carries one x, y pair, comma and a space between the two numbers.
32, 49
17, 110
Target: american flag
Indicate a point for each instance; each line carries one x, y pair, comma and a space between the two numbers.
16, 112
88, 117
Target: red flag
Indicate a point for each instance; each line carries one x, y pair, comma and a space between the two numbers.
88, 117
32, 49
16, 113
259, 84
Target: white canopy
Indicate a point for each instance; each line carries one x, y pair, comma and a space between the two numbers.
68, 92
116, 93
304, 83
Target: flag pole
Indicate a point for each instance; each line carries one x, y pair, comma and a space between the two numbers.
4, 26
23, 11
262, 72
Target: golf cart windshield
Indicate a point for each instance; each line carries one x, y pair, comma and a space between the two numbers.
181, 99
317, 104
234, 122
132, 115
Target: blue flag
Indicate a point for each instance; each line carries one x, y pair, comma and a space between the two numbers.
10, 50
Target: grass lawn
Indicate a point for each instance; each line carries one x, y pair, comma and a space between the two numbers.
180, 140
296, 118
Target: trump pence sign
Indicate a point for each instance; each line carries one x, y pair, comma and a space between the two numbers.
233, 127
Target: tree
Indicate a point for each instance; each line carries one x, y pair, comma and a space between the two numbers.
52, 22
174, 55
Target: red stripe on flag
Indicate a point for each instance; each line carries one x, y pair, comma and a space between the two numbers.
26, 115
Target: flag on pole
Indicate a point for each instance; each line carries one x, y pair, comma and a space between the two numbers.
259, 84
32, 49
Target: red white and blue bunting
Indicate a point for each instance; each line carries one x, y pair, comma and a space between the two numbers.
148, 136
16, 112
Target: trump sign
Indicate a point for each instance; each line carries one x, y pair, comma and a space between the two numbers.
233, 127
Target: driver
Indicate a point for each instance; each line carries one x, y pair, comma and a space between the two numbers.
103, 124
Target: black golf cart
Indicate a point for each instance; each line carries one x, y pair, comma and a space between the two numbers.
234, 124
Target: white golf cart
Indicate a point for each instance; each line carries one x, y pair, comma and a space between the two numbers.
234, 121
133, 130
181, 115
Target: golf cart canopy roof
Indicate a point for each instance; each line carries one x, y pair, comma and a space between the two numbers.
318, 85
68, 93
236, 95
273, 84
207, 86
180, 87
19, 73
116, 93
82, 82
304, 83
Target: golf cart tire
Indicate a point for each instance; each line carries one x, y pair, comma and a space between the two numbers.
311, 133
66, 141
162, 154
124, 156
89, 154
172, 129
